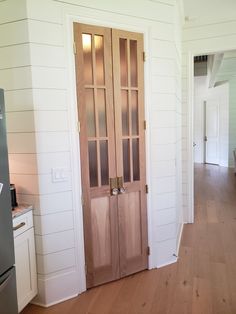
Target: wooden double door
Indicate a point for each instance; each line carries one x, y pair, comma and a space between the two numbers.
109, 74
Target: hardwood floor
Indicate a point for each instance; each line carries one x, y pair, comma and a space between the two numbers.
203, 281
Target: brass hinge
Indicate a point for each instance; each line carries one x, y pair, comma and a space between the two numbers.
82, 200
146, 188
78, 126
144, 56
148, 250
74, 47
145, 124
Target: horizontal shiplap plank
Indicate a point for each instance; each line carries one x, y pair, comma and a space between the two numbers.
16, 78
19, 100
23, 163
163, 101
47, 161
12, 11
164, 201
165, 217
163, 119
14, 56
48, 142
161, 67
54, 203
21, 122
54, 262
161, 84
21, 143
156, 11
50, 11
47, 186
46, 99
165, 232
162, 31
226, 42
25, 184
162, 49
52, 223
163, 185
45, 33
43, 121
51, 243
163, 168
163, 136
209, 31
14, 33
46, 55
163, 152
51, 78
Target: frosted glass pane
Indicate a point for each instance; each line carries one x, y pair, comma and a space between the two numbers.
87, 53
134, 110
125, 112
135, 148
90, 112
133, 63
104, 162
99, 54
126, 161
123, 62
93, 166
101, 105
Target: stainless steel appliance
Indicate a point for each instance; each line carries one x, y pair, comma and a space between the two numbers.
8, 299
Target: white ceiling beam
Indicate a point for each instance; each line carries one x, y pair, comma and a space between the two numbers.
216, 63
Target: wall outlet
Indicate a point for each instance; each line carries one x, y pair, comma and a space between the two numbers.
59, 175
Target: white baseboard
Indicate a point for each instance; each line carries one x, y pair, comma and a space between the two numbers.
172, 261
57, 289
179, 237
53, 303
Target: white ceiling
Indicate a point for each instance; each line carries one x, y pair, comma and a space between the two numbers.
204, 10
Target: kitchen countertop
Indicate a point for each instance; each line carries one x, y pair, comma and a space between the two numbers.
20, 210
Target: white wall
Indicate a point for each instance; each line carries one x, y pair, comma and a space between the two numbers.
59, 235
232, 120
199, 37
219, 94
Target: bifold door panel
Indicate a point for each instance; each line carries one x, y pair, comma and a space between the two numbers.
109, 73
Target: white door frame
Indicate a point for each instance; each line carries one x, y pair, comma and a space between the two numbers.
92, 18
189, 216
205, 128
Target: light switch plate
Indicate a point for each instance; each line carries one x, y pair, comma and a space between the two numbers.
1, 186
59, 175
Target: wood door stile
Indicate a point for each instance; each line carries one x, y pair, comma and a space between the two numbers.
97, 275
135, 189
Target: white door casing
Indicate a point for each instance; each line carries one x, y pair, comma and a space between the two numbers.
212, 132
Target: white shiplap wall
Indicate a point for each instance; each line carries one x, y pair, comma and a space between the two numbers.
57, 209
198, 38
15, 79
232, 120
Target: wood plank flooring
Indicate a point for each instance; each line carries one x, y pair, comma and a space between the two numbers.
203, 281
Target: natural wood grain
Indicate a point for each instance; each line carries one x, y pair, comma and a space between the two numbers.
203, 281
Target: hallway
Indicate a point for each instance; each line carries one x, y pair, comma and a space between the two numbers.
204, 279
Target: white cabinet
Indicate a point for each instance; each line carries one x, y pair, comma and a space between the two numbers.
25, 259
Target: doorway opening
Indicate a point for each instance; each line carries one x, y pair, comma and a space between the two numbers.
110, 88
214, 133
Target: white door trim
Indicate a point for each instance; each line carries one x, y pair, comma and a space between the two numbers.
71, 16
205, 130
189, 215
